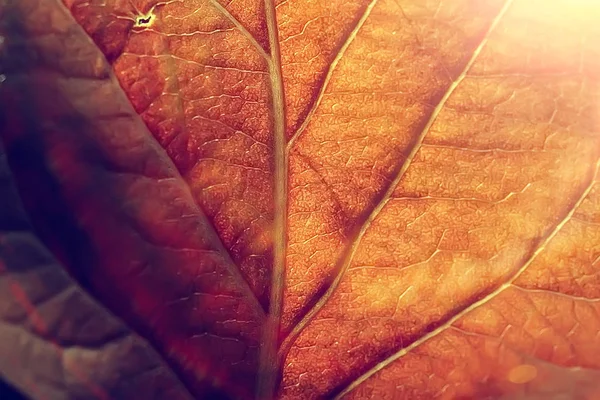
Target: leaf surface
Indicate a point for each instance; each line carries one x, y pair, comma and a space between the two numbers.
57, 342
318, 199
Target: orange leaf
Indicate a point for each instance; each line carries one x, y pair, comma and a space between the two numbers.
384, 199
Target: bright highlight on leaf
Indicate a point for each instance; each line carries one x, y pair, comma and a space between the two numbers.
522, 373
310, 199
145, 21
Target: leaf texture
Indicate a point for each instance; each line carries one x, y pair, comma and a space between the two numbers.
56, 340
384, 199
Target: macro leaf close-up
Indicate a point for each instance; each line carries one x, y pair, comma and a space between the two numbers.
300, 199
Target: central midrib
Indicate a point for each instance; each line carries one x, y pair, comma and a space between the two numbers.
268, 371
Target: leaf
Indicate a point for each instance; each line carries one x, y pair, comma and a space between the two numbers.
318, 199
56, 341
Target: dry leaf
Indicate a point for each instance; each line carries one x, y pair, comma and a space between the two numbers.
385, 199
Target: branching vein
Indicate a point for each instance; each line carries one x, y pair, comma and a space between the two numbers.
329, 73
355, 240
241, 28
543, 243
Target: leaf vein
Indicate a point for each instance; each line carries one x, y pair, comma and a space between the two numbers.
541, 246
370, 217
241, 28
268, 360
329, 74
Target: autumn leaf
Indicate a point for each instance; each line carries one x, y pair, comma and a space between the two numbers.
385, 199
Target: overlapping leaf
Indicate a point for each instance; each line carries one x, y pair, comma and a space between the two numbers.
371, 199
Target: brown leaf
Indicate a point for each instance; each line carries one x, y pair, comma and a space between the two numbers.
322, 199
56, 342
